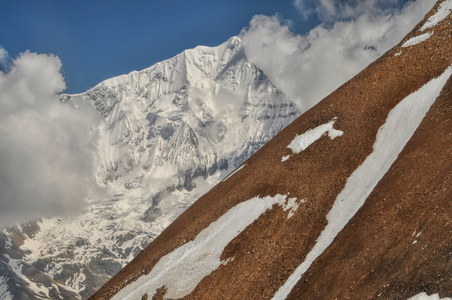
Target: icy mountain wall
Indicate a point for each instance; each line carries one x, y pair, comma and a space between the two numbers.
204, 110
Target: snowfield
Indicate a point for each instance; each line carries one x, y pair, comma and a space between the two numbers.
417, 39
182, 270
301, 142
400, 125
444, 10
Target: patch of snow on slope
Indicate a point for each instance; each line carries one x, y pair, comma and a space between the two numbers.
424, 296
4, 292
292, 205
444, 10
417, 39
301, 142
284, 158
182, 270
400, 125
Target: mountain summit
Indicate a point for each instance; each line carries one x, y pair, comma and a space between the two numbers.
171, 132
350, 201
204, 110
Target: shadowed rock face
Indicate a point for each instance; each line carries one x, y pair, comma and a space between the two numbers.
16, 274
398, 242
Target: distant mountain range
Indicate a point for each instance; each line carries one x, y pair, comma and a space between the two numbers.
171, 132
352, 200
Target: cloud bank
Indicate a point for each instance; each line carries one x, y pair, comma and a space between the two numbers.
353, 34
45, 145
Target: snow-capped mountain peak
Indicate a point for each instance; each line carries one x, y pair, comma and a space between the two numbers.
170, 132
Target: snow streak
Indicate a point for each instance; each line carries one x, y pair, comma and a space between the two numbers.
417, 39
303, 141
182, 270
400, 125
444, 10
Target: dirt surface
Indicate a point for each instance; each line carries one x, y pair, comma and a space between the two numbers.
375, 255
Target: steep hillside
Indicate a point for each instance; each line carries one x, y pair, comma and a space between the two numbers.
170, 133
350, 201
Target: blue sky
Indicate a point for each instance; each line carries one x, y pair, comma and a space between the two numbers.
96, 40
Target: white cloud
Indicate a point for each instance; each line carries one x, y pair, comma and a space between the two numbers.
304, 8
308, 68
45, 163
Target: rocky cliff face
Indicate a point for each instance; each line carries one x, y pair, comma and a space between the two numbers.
170, 133
350, 201
18, 278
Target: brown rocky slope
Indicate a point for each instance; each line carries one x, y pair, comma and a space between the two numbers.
399, 242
